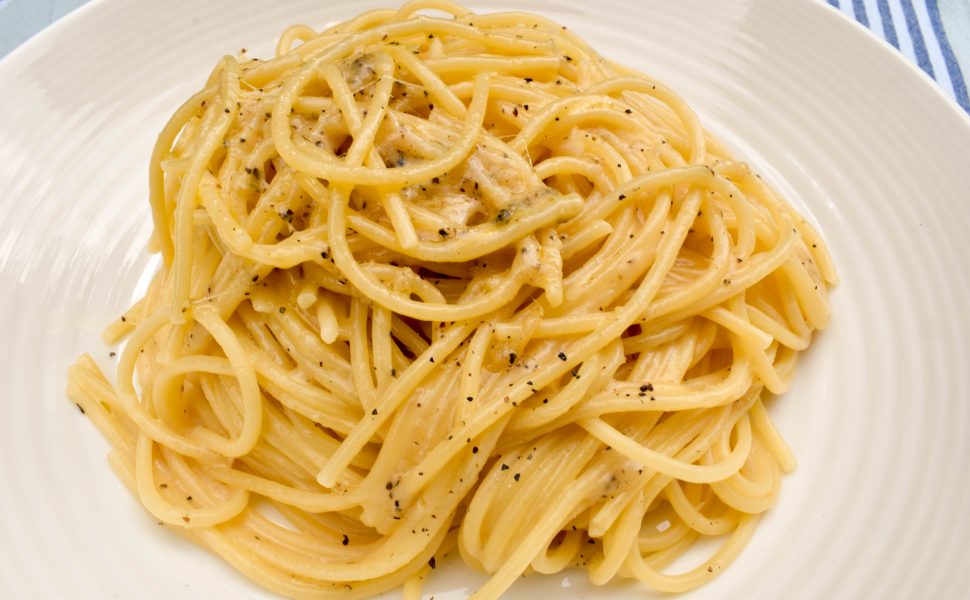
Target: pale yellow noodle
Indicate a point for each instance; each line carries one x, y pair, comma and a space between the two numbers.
455, 285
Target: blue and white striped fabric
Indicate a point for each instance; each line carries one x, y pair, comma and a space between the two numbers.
933, 34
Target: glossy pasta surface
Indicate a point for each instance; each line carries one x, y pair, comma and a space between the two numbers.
455, 283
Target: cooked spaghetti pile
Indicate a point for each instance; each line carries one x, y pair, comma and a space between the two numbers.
435, 283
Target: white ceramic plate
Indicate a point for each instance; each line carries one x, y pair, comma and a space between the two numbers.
860, 140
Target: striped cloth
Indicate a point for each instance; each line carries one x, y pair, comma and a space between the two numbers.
934, 34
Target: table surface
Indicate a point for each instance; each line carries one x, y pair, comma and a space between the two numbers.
933, 34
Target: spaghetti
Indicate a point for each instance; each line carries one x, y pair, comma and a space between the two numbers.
455, 283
